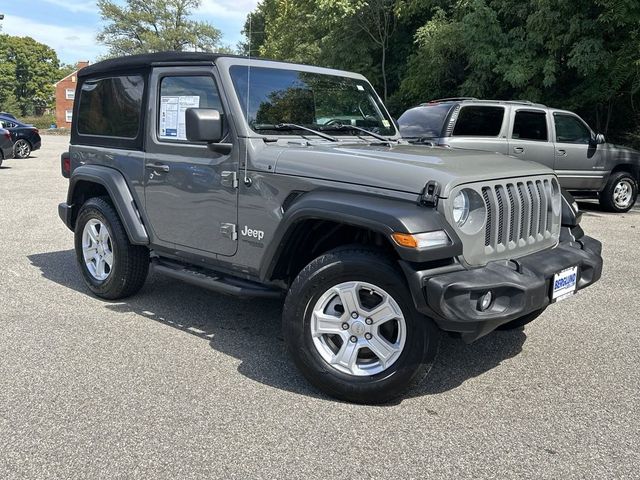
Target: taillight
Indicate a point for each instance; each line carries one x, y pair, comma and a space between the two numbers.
65, 160
36, 130
7, 135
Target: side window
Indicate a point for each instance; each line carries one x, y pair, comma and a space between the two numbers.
570, 129
477, 121
177, 94
111, 107
530, 126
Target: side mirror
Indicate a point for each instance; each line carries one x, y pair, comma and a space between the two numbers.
203, 125
600, 139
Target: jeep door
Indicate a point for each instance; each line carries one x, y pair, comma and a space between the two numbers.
190, 196
579, 162
529, 137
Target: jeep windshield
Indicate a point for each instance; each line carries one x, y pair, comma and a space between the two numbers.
275, 97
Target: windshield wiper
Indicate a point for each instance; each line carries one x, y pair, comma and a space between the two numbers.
294, 126
344, 126
421, 140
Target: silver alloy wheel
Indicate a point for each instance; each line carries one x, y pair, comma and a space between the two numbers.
22, 149
97, 249
358, 328
623, 193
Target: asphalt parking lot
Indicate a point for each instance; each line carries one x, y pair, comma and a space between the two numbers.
178, 382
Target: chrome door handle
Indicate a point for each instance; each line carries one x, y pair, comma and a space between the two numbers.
518, 149
158, 166
562, 152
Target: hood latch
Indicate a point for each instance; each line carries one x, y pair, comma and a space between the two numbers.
429, 196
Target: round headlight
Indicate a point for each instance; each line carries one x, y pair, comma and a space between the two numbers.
469, 211
461, 208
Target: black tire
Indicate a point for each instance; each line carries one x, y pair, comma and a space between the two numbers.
607, 195
522, 321
346, 265
22, 149
130, 262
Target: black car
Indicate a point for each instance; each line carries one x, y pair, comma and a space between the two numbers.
26, 138
6, 145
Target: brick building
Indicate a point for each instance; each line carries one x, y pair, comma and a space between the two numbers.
65, 94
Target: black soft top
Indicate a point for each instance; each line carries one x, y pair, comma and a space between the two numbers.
147, 60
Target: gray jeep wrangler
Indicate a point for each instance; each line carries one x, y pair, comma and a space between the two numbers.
257, 178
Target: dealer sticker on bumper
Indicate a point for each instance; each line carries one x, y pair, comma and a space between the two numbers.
564, 284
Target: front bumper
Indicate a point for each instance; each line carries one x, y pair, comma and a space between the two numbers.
519, 287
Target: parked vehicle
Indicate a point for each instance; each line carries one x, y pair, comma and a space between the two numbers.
560, 139
6, 145
377, 244
26, 138
8, 115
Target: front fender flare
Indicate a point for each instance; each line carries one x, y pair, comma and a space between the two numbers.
115, 184
378, 214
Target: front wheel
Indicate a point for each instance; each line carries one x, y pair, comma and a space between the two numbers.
620, 193
352, 330
22, 149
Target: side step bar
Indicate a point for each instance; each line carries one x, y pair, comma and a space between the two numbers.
236, 287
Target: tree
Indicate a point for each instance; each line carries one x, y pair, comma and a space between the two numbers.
143, 26
377, 18
28, 70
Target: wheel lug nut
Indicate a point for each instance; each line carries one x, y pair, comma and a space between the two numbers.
354, 314
345, 326
368, 321
367, 336
353, 339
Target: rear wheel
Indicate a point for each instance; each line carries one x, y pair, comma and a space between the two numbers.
620, 193
352, 330
111, 266
22, 149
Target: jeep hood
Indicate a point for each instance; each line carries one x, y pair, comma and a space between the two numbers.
405, 167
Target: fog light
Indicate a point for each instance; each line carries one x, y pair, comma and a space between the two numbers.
485, 301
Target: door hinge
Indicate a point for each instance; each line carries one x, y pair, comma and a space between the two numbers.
229, 179
229, 230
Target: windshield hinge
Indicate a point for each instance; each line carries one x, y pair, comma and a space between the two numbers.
229, 179
429, 197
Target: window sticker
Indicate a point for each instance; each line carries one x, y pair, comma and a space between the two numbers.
172, 115
360, 87
386, 123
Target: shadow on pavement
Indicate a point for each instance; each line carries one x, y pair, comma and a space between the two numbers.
250, 330
592, 207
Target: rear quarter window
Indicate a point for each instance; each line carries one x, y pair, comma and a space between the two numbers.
479, 121
424, 122
111, 107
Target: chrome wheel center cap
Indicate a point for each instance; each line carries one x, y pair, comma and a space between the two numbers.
358, 328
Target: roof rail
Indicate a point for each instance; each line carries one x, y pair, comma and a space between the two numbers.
451, 99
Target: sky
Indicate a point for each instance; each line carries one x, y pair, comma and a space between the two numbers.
70, 26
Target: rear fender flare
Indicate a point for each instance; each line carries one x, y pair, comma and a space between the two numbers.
116, 186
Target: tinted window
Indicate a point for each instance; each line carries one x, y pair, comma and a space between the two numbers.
424, 121
479, 122
271, 96
179, 93
570, 129
530, 126
111, 107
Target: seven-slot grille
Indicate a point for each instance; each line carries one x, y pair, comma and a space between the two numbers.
519, 212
